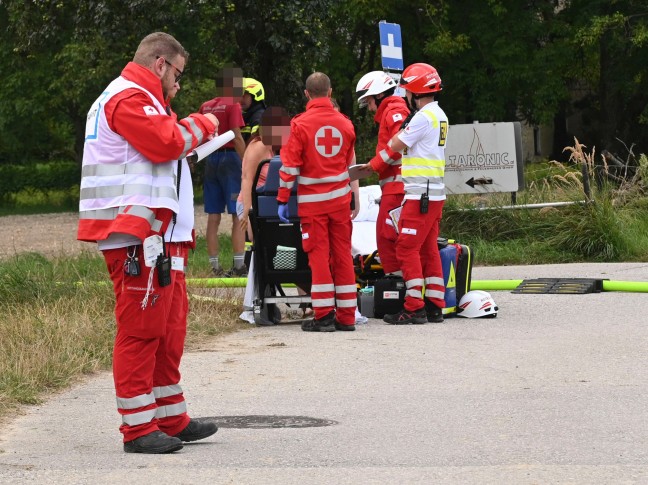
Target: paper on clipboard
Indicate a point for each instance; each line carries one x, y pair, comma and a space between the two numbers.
200, 152
394, 216
356, 172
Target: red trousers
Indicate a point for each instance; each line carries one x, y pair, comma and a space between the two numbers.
326, 238
386, 235
149, 345
418, 254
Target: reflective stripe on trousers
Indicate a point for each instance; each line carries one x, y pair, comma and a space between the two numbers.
327, 240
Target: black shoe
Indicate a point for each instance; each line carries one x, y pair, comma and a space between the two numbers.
434, 313
236, 272
326, 324
343, 327
405, 317
156, 442
219, 273
196, 430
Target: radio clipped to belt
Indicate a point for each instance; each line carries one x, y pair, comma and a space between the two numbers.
163, 266
425, 199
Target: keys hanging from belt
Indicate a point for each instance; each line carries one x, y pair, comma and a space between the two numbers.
131, 264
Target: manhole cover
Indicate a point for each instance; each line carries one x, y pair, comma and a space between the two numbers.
260, 422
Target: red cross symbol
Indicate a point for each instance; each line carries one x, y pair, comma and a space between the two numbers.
328, 141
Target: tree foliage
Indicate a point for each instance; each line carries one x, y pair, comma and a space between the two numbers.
546, 62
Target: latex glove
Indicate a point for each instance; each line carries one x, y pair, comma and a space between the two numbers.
284, 213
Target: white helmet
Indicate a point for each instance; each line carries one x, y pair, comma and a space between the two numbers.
477, 303
372, 83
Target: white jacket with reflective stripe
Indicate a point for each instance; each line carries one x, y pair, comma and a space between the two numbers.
114, 174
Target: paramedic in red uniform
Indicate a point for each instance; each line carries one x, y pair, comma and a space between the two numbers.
423, 142
317, 155
133, 187
376, 92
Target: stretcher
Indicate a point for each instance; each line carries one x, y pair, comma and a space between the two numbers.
278, 257
366, 261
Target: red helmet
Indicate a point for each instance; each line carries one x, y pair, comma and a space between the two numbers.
421, 78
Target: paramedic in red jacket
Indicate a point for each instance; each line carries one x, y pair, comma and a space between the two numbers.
376, 92
317, 156
422, 144
134, 187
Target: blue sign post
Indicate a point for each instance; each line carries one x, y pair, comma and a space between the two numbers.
391, 46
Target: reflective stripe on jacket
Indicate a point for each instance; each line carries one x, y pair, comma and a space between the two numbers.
423, 163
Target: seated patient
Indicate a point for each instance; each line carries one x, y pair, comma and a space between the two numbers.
273, 132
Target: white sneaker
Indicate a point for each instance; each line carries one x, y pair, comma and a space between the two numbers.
360, 318
247, 316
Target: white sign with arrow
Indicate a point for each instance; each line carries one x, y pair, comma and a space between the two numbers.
483, 158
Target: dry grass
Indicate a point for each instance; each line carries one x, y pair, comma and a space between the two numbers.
55, 331
214, 312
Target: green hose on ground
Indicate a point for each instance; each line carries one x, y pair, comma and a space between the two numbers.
485, 285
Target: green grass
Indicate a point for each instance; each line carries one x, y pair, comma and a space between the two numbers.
31, 201
199, 266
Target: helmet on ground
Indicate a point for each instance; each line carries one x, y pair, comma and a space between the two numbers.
421, 78
254, 87
477, 303
372, 83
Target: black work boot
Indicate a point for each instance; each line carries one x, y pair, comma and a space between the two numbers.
405, 317
344, 328
434, 313
156, 442
326, 324
196, 430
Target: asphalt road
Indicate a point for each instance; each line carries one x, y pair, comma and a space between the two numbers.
554, 390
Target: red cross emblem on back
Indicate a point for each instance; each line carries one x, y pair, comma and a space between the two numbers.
328, 141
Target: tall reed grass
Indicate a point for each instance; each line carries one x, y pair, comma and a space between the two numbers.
608, 224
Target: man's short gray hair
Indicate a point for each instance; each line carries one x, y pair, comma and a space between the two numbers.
158, 44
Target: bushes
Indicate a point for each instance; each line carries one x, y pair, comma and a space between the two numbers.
40, 186
39, 176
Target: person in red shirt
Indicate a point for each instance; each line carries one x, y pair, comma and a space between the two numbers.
376, 92
133, 195
223, 170
318, 152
